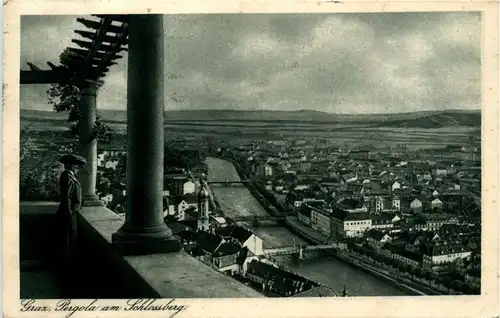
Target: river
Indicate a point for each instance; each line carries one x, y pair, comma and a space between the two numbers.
236, 200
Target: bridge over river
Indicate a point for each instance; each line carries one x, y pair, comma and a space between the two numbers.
228, 183
298, 250
238, 202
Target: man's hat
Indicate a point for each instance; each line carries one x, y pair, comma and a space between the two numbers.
73, 159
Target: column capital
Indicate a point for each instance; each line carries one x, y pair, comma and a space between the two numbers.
90, 87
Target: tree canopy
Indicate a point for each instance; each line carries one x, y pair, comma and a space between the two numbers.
66, 97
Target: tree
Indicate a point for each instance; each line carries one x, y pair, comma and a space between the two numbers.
39, 169
418, 272
433, 276
475, 289
447, 282
66, 97
459, 286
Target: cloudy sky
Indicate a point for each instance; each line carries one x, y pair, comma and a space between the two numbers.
339, 63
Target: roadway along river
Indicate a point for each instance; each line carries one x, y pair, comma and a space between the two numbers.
237, 200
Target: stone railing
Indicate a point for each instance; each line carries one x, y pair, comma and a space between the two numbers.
104, 273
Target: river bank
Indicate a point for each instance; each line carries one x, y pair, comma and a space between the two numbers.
350, 259
408, 287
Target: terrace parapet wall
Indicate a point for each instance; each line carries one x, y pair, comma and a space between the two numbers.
107, 274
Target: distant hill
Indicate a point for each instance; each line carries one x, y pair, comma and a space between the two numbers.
423, 119
438, 120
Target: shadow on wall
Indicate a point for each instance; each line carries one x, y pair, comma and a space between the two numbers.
96, 274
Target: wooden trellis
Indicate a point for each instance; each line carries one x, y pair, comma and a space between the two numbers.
91, 60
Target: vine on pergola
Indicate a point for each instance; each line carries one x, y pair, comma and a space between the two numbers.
90, 62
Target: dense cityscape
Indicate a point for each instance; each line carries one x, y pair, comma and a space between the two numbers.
409, 218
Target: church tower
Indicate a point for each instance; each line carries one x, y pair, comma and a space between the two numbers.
203, 207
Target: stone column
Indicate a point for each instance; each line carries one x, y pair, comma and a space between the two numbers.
144, 231
88, 146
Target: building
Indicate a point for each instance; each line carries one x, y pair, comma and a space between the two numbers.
318, 291
174, 181
321, 221
188, 187
359, 154
435, 221
402, 255
218, 222
225, 258
352, 205
347, 176
180, 203
378, 203
107, 199
396, 203
264, 170
349, 224
416, 206
111, 164
304, 214
436, 204
248, 239
377, 239
305, 166
395, 185
216, 251
444, 254
473, 275
384, 220
203, 209
276, 282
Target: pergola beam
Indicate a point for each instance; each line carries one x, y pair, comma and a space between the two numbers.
92, 61
91, 35
114, 48
33, 67
96, 25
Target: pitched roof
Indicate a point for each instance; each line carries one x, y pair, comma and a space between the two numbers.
226, 248
177, 227
357, 216
415, 256
241, 234
318, 291
376, 235
440, 217
190, 198
342, 214
382, 218
305, 210
224, 231
284, 283
351, 204
192, 213
269, 271
437, 250
208, 241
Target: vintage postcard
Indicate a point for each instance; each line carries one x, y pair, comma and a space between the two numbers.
250, 159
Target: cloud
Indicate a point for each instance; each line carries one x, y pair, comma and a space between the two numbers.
258, 46
345, 63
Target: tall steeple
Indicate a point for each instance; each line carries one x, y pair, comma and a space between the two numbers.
203, 207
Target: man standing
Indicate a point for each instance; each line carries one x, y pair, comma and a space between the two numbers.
71, 203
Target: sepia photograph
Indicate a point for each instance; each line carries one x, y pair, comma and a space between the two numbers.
250, 155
